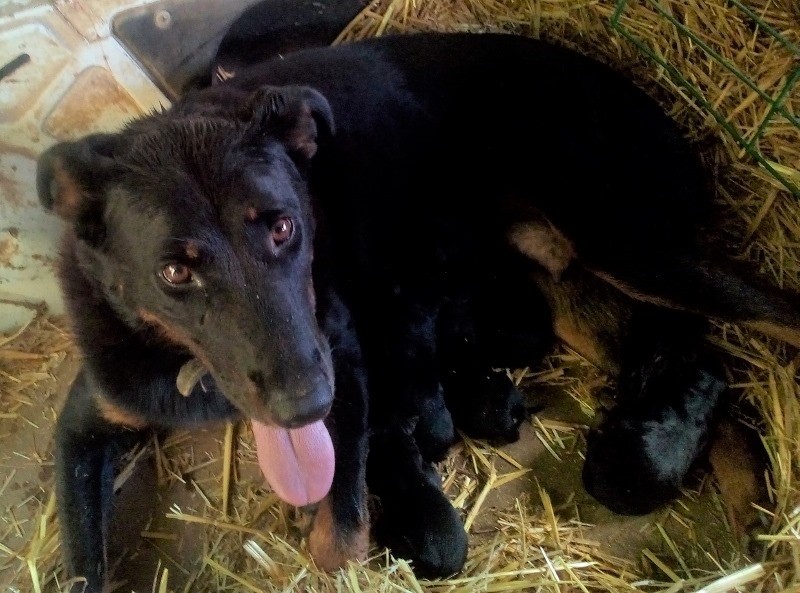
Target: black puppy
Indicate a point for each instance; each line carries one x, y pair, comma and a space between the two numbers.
467, 197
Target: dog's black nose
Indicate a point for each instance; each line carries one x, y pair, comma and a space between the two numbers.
291, 411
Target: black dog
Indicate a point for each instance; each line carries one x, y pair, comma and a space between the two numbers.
467, 198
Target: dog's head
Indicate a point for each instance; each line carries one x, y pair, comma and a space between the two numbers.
199, 225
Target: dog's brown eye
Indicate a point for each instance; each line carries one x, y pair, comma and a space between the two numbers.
282, 230
176, 274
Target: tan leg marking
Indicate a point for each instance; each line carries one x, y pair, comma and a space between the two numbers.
119, 416
543, 243
332, 550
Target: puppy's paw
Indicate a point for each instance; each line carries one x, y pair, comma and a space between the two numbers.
488, 407
414, 518
426, 530
331, 545
434, 432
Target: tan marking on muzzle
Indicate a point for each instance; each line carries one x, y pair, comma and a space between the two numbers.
175, 335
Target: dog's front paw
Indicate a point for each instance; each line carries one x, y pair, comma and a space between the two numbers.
434, 432
414, 519
332, 545
426, 530
486, 407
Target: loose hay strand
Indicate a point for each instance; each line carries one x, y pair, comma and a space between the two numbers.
162, 586
735, 580
476, 507
227, 467
222, 570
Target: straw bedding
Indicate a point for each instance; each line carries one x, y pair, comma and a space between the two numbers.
536, 538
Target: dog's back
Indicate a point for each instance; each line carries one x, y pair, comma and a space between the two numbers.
490, 116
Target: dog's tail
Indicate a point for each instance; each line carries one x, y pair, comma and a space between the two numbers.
712, 287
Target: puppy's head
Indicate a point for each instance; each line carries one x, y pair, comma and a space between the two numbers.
200, 226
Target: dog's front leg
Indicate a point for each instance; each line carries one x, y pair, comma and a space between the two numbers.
416, 520
85, 446
341, 527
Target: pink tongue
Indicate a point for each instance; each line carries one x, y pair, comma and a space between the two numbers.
298, 463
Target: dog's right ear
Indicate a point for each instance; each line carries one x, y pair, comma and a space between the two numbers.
71, 175
294, 114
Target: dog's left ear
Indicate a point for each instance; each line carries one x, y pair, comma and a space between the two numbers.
70, 174
71, 178
293, 114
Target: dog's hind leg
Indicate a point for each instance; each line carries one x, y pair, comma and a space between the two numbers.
89, 439
650, 264
668, 394
341, 526
415, 519
710, 286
